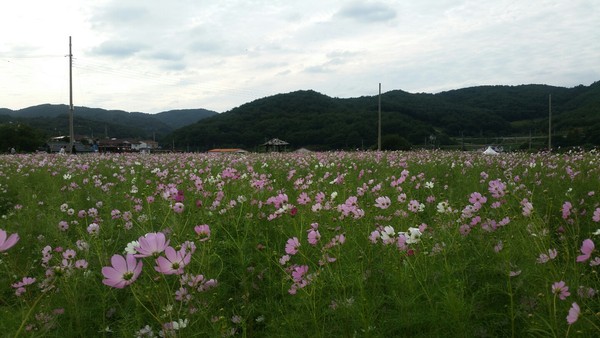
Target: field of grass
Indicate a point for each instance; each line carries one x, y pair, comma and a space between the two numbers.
340, 244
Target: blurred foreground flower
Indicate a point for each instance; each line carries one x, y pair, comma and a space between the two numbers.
7, 242
573, 314
587, 247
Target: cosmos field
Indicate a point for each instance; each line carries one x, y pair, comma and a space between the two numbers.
348, 244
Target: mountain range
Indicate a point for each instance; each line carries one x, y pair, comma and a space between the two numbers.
53, 120
310, 119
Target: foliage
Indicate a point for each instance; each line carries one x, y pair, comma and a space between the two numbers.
374, 244
394, 142
21, 137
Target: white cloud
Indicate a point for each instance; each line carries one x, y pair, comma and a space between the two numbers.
157, 55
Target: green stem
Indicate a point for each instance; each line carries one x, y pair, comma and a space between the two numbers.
137, 299
28, 314
512, 307
420, 282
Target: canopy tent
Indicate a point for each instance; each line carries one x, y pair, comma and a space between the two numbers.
490, 151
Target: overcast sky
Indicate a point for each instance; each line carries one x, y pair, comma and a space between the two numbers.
157, 55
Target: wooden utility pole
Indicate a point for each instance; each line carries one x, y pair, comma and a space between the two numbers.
549, 122
71, 131
379, 124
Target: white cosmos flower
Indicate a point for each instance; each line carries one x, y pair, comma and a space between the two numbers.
387, 233
414, 235
130, 248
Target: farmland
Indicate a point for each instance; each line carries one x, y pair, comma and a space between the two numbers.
365, 244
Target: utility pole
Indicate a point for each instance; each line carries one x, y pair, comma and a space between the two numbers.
379, 124
71, 131
549, 122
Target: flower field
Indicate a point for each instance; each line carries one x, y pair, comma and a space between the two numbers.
365, 244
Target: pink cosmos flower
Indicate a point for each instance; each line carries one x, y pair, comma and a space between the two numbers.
20, 286
7, 242
586, 292
401, 242
561, 289
497, 188
313, 237
299, 272
115, 214
203, 231
596, 217
24, 282
93, 229
586, 248
566, 209
124, 271
81, 264
151, 244
63, 225
498, 247
383, 202
174, 262
291, 247
414, 205
573, 314
284, 259
178, 207
69, 254
303, 199
374, 236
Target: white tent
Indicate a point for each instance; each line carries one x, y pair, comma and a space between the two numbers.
490, 151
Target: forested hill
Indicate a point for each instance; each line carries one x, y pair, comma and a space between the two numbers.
51, 119
313, 120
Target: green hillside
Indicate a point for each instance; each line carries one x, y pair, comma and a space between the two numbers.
52, 120
182, 117
316, 121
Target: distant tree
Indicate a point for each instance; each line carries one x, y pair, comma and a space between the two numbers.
21, 137
394, 142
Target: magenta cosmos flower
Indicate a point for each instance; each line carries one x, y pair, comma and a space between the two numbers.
124, 271
174, 262
151, 244
7, 242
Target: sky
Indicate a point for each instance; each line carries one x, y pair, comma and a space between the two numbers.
156, 55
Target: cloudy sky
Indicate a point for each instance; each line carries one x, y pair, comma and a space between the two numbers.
157, 55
